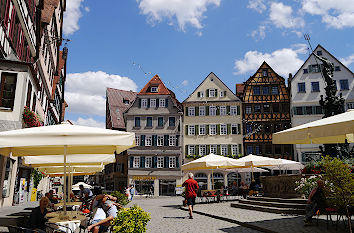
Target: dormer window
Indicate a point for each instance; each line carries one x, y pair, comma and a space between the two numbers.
126, 102
154, 89
319, 53
265, 72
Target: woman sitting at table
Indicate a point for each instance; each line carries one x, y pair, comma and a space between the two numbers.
37, 218
244, 189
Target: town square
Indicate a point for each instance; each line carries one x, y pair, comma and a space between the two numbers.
176, 116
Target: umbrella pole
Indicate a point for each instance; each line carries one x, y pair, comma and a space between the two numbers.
64, 193
212, 180
252, 176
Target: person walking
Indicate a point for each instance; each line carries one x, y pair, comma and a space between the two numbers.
191, 186
132, 192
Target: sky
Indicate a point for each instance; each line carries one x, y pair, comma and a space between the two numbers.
123, 43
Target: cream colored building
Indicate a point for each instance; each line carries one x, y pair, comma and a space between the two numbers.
212, 124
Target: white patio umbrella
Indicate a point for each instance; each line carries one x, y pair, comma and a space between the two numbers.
77, 185
247, 169
71, 169
287, 165
334, 129
211, 161
64, 139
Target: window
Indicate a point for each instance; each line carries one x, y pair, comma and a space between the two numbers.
191, 129
144, 103
256, 90
233, 110
172, 140
160, 141
337, 68
160, 121
344, 85
148, 140
315, 86
191, 111
202, 150
212, 129
172, 121
319, 53
137, 122
202, 111
137, 140
148, 121
234, 149
7, 178
223, 149
212, 110
172, 162
234, 129
160, 162
275, 107
305, 71
148, 161
213, 149
136, 162
212, 92
249, 150
249, 128
350, 105
314, 68
301, 88
266, 108
256, 150
223, 110
222, 93
265, 90
308, 110
248, 109
223, 129
191, 150
153, 89
257, 108
201, 129
153, 103
162, 103
7, 90
275, 91
318, 110
200, 94
265, 72
299, 111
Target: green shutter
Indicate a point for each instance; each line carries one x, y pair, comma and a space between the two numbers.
224, 93
229, 150
186, 111
218, 129
196, 150
206, 110
208, 149
228, 128
131, 161
238, 128
197, 111
218, 149
217, 110
177, 162
239, 148
238, 110
216, 92
198, 94
186, 149
154, 140
186, 130
139, 103
207, 93
148, 103
196, 132
228, 110
157, 103
207, 129
142, 161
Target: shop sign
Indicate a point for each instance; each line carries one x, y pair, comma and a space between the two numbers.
144, 177
34, 194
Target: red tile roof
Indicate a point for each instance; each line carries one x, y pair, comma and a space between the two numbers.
117, 107
239, 89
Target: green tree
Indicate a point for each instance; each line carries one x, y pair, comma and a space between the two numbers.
133, 219
121, 198
338, 175
37, 176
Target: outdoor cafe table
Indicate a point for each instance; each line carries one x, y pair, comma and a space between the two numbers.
60, 204
73, 223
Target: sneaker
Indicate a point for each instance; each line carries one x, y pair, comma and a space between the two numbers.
190, 217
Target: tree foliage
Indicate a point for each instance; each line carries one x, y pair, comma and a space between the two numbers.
133, 219
121, 198
37, 176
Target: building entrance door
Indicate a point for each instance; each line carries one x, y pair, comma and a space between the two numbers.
167, 187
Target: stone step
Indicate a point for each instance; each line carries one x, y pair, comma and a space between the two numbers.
273, 204
279, 200
268, 209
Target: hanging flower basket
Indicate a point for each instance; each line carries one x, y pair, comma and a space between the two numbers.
30, 118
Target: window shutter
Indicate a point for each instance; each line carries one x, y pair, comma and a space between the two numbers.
166, 161
206, 110
229, 150
165, 140
186, 111
239, 149
197, 111
238, 128
228, 128
186, 131
208, 149
157, 103
142, 161
218, 129
131, 161
177, 162
148, 103
207, 93
196, 150
217, 110
227, 110
186, 149
218, 149
177, 140
154, 140
310, 69
224, 93
238, 110
198, 94
139, 103
216, 92
154, 162
166, 103
207, 129
196, 132
142, 143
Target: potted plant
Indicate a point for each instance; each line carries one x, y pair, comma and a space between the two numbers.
133, 219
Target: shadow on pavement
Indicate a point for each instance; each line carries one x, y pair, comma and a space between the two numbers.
176, 217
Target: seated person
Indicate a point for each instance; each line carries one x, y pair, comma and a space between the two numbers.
98, 216
85, 193
234, 189
244, 189
316, 201
254, 188
50, 204
52, 198
37, 218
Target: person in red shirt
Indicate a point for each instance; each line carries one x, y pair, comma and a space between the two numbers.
191, 186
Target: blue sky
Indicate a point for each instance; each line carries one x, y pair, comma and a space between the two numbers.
113, 42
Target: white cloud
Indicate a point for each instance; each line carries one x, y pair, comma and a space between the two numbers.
283, 61
72, 15
89, 122
347, 61
185, 83
183, 11
259, 33
257, 5
85, 92
335, 13
282, 16
87, 9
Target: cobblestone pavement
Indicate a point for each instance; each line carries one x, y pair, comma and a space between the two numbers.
166, 217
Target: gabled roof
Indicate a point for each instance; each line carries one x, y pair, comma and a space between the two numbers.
321, 47
253, 77
211, 73
117, 106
